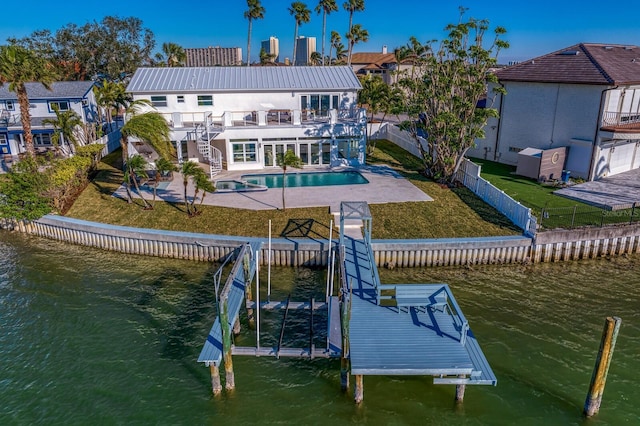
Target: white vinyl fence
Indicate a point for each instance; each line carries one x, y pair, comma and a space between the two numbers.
111, 142
399, 137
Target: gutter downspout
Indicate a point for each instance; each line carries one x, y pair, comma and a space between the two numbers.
592, 164
495, 146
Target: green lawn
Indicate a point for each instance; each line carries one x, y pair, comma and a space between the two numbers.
525, 190
455, 212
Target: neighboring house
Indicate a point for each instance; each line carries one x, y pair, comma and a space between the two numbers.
585, 97
384, 64
240, 118
67, 95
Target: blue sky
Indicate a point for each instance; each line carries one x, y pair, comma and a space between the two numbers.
534, 28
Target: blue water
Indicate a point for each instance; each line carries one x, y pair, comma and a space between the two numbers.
307, 179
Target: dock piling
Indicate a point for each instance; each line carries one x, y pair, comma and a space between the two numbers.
460, 391
359, 392
216, 385
603, 360
230, 382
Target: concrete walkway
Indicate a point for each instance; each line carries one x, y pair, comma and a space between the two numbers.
385, 186
615, 192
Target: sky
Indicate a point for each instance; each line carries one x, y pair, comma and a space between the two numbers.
533, 28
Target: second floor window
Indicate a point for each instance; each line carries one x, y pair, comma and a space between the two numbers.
205, 100
159, 101
9, 105
180, 99
62, 105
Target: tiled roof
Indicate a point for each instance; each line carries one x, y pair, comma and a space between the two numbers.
59, 90
584, 63
236, 79
375, 58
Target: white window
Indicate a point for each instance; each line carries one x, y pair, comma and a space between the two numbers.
42, 139
9, 105
3, 139
205, 100
62, 105
159, 101
245, 151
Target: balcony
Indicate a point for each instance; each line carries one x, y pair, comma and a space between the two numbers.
621, 122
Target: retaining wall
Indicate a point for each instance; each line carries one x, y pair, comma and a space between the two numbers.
548, 246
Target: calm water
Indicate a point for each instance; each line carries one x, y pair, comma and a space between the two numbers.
307, 179
93, 337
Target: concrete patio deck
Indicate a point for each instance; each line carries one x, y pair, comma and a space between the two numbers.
385, 186
615, 192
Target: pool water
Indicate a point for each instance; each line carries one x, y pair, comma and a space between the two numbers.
238, 186
274, 180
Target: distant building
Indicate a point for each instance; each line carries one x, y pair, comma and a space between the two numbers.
272, 47
305, 46
213, 56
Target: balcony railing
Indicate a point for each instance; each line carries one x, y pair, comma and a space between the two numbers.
621, 121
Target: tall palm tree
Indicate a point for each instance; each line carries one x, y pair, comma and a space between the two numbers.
353, 6
326, 7
284, 160
302, 15
111, 95
19, 66
188, 170
163, 167
135, 168
333, 42
202, 183
174, 54
355, 36
254, 11
316, 58
65, 125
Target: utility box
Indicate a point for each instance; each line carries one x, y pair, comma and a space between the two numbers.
541, 164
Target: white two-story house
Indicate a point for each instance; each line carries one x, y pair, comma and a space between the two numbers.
585, 97
66, 95
240, 118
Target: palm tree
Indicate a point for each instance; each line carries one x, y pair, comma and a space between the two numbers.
65, 125
254, 11
316, 58
265, 57
188, 170
109, 96
136, 167
174, 54
334, 42
302, 15
356, 35
19, 66
353, 6
284, 160
202, 183
163, 167
326, 7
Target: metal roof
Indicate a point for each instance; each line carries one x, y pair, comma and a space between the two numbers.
59, 90
242, 79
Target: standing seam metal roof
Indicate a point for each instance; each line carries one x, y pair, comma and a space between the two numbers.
235, 79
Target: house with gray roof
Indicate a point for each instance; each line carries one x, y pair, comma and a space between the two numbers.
76, 96
585, 97
240, 118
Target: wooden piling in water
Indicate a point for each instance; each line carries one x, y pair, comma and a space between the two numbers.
358, 395
216, 385
603, 360
460, 391
230, 382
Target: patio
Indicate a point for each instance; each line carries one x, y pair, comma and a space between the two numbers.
385, 186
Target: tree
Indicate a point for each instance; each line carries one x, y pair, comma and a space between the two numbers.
352, 6
150, 127
254, 11
302, 15
284, 160
66, 125
316, 58
355, 36
188, 170
134, 169
441, 98
109, 96
174, 55
19, 66
202, 183
265, 57
325, 7
375, 93
336, 42
163, 167
21, 192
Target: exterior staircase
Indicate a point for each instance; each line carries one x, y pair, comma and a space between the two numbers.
203, 136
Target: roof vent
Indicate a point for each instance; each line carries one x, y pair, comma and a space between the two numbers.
608, 48
629, 47
570, 53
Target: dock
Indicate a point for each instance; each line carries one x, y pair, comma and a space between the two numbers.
374, 328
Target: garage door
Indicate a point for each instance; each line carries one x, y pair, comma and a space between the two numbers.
621, 157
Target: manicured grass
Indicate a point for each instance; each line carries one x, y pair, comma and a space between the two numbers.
455, 212
527, 191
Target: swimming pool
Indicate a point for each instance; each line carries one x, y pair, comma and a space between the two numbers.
274, 180
238, 186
